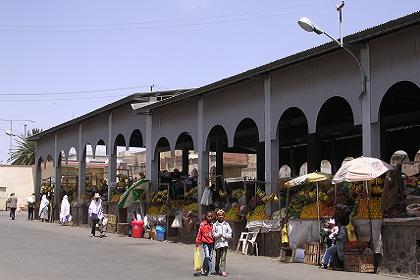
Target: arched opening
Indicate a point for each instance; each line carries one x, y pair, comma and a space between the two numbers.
292, 133
399, 157
326, 167
183, 147
136, 139
417, 156
217, 143
285, 171
399, 116
336, 132
303, 170
248, 152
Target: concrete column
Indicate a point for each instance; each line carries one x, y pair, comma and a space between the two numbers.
152, 156
111, 152
219, 163
82, 166
371, 137
37, 182
185, 161
314, 152
57, 172
203, 155
268, 165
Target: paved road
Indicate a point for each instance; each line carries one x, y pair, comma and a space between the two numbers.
35, 250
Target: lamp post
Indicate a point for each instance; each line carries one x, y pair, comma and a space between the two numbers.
10, 132
310, 26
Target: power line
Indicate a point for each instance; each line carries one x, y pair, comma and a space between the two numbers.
74, 92
161, 26
60, 99
172, 20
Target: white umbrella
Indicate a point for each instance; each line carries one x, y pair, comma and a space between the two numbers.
361, 169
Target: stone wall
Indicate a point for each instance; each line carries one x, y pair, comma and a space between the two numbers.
401, 243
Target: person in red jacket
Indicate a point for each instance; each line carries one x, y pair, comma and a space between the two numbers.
205, 237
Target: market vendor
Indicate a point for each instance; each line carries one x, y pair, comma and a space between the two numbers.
338, 247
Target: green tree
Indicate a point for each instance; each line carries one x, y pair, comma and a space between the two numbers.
25, 150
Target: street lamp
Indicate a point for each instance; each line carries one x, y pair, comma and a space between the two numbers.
10, 132
310, 26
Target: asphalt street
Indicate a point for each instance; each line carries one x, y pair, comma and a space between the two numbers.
35, 250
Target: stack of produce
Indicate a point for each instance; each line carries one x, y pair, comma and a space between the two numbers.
232, 214
310, 212
191, 207
304, 205
192, 193
362, 208
115, 197
157, 210
258, 214
47, 188
160, 197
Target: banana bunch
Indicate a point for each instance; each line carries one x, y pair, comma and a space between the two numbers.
222, 193
191, 207
232, 214
192, 192
258, 214
160, 197
237, 193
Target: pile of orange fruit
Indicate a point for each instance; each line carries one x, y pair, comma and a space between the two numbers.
374, 207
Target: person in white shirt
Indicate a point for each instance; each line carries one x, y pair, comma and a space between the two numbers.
222, 232
96, 214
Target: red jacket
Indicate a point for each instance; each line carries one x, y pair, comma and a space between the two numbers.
205, 233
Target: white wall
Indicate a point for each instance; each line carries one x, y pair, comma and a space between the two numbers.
17, 179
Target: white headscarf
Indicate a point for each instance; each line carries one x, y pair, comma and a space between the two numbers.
95, 207
44, 203
65, 208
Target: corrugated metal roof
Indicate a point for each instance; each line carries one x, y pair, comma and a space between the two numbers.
358, 37
136, 97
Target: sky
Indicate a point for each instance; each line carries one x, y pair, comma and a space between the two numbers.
62, 59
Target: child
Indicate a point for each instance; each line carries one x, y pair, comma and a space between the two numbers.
205, 237
222, 232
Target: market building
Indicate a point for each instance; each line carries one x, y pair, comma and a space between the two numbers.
302, 113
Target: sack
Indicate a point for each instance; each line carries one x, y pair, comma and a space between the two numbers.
177, 223
197, 262
351, 233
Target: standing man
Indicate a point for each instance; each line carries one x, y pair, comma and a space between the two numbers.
31, 203
96, 214
12, 201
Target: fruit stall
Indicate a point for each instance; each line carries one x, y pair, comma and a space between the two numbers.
339, 200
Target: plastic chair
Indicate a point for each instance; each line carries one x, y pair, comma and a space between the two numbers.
242, 241
252, 239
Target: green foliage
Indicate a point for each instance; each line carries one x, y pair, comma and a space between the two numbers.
25, 151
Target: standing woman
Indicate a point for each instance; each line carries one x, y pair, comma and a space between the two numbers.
65, 210
96, 214
43, 208
222, 232
205, 237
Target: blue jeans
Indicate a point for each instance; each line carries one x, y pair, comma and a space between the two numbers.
328, 255
208, 256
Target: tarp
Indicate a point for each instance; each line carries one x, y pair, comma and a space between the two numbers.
264, 226
303, 231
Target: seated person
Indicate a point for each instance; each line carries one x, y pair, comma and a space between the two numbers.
339, 240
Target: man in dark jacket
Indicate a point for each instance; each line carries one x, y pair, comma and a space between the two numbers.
12, 202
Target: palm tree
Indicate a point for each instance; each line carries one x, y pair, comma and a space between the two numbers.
25, 151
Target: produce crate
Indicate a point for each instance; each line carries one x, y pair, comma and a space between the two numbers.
356, 247
359, 263
313, 253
